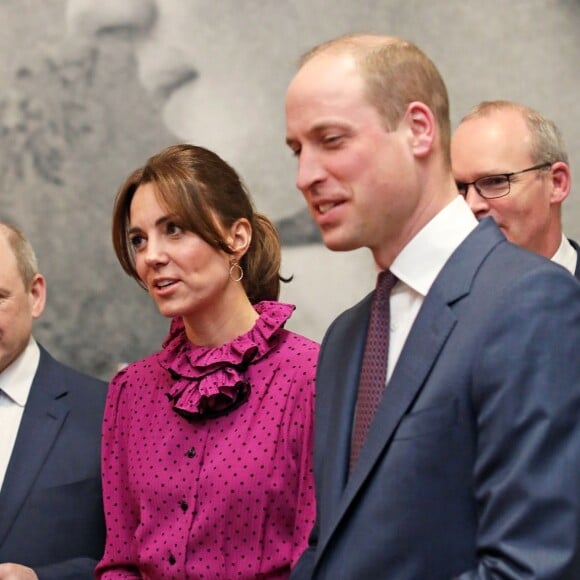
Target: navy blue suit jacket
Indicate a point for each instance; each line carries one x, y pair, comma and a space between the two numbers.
471, 468
51, 511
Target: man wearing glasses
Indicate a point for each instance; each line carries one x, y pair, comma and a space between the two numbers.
510, 163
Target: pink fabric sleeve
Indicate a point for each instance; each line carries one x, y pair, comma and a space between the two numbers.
306, 502
120, 511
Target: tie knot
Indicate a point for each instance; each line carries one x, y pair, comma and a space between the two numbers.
385, 282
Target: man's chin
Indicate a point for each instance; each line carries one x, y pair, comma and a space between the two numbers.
337, 244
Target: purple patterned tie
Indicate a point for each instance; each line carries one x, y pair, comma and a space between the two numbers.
374, 366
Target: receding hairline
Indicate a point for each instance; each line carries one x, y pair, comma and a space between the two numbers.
22, 250
547, 139
488, 108
10, 233
354, 44
395, 72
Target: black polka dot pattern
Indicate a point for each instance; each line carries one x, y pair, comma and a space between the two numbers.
224, 497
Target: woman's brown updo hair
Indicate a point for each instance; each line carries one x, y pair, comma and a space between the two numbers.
198, 186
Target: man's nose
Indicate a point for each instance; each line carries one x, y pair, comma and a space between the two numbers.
476, 202
310, 171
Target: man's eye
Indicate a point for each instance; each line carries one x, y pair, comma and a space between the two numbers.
493, 181
294, 148
331, 139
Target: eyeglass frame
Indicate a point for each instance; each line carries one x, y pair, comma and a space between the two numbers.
508, 176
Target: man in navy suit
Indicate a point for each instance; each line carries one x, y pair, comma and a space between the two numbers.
510, 162
51, 513
471, 465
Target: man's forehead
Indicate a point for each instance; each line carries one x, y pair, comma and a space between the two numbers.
501, 121
326, 65
7, 259
497, 130
5, 248
326, 82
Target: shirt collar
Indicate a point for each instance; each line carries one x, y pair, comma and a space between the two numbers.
566, 255
421, 260
17, 378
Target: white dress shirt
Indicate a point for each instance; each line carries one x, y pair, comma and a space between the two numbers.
417, 266
15, 383
566, 255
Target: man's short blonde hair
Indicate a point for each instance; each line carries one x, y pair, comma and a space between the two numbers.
396, 73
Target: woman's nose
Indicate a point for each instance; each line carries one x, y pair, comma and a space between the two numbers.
154, 253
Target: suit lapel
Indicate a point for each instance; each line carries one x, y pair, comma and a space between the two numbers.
337, 382
432, 328
426, 339
44, 414
577, 248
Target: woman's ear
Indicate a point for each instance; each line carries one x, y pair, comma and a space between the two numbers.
239, 237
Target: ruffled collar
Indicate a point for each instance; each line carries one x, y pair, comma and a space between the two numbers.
210, 381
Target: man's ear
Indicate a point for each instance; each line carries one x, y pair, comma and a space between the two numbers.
561, 182
421, 123
239, 237
37, 294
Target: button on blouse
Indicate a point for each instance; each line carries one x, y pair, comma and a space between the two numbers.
207, 456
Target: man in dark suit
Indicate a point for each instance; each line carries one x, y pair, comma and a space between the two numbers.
51, 514
510, 162
470, 467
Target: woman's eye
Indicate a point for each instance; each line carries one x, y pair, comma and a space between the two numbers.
173, 228
136, 241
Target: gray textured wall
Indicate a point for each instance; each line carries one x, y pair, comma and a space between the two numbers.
90, 88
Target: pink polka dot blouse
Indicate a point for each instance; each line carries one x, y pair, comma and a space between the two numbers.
207, 457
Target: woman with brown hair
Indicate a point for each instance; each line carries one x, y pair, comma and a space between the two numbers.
207, 469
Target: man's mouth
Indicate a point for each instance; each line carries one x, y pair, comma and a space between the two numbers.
325, 207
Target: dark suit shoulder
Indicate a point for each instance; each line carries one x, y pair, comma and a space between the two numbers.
510, 262
487, 260
56, 368
343, 323
59, 380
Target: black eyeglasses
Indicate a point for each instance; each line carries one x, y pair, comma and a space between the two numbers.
494, 186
